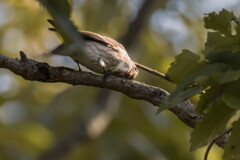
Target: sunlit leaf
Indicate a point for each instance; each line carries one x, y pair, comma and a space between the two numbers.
232, 149
231, 93
212, 125
222, 39
219, 22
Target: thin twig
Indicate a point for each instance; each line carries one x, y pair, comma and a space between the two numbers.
214, 141
152, 71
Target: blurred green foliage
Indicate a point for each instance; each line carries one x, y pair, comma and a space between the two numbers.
34, 115
217, 74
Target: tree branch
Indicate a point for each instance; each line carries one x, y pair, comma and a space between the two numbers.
38, 71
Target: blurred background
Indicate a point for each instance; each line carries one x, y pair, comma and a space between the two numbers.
58, 121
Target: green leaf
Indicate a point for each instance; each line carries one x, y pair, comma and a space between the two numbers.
232, 149
192, 85
216, 42
219, 22
228, 76
172, 101
184, 63
227, 57
222, 39
204, 73
231, 94
209, 97
212, 125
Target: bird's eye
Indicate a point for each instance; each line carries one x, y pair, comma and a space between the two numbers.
135, 68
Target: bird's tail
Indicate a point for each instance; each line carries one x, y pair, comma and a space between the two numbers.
57, 51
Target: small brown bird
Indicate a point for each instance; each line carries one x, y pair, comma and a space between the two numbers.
102, 55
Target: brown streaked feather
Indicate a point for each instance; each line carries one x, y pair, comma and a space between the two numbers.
87, 35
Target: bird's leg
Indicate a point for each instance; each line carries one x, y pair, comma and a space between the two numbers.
79, 68
103, 65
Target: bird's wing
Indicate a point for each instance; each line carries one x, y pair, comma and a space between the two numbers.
87, 35
91, 36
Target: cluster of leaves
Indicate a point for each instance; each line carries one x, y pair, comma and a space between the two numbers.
216, 77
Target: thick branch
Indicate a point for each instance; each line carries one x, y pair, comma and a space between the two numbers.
37, 71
